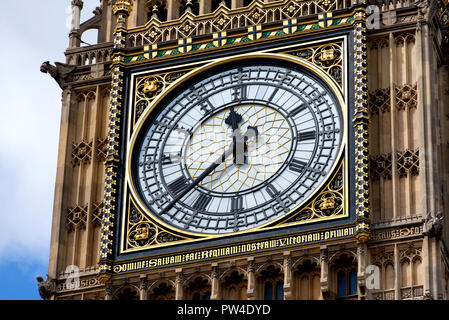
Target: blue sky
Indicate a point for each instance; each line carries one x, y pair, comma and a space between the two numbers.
30, 105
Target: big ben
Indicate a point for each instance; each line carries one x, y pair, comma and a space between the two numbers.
249, 150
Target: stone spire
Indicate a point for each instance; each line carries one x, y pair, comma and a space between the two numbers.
77, 6
122, 9
75, 36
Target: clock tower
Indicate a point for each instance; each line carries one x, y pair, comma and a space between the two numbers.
253, 150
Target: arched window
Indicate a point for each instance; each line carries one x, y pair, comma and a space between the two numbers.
128, 294
341, 284
198, 296
346, 277
268, 291
280, 290
307, 279
273, 284
346, 283
352, 282
198, 289
234, 286
389, 276
163, 292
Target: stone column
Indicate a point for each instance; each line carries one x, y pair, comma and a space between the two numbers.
215, 288
324, 283
63, 167
172, 9
75, 36
133, 18
106, 33
361, 276
236, 4
179, 284
251, 279
143, 288
288, 290
397, 273
122, 10
205, 6
109, 291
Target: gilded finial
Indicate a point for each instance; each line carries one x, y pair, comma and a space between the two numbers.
124, 7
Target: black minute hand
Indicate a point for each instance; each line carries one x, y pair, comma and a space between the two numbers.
195, 182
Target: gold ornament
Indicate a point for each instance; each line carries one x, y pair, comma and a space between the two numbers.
123, 7
150, 86
328, 204
142, 233
327, 55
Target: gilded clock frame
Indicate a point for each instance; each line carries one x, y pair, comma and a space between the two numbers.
284, 53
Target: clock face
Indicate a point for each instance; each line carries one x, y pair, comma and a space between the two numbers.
237, 149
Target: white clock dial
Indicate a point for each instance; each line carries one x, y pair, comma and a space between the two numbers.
238, 149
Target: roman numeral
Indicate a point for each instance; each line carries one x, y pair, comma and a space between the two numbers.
297, 165
297, 110
275, 194
178, 185
239, 93
202, 202
236, 204
310, 135
272, 191
206, 106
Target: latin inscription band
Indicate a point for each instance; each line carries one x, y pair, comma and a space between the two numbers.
238, 249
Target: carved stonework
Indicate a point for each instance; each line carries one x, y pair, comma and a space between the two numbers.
76, 218
324, 255
379, 100
97, 213
180, 279
81, 152
78, 3
381, 166
402, 38
62, 73
378, 43
382, 257
411, 253
434, 224
47, 288
143, 285
215, 273
101, 149
407, 163
251, 268
406, 97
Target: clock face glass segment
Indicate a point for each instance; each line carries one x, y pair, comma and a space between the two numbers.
239, 148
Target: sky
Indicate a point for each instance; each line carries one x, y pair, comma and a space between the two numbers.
30, 111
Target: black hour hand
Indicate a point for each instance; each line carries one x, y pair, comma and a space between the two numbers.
233, 119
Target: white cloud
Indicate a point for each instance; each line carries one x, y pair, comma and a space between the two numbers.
30, 104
